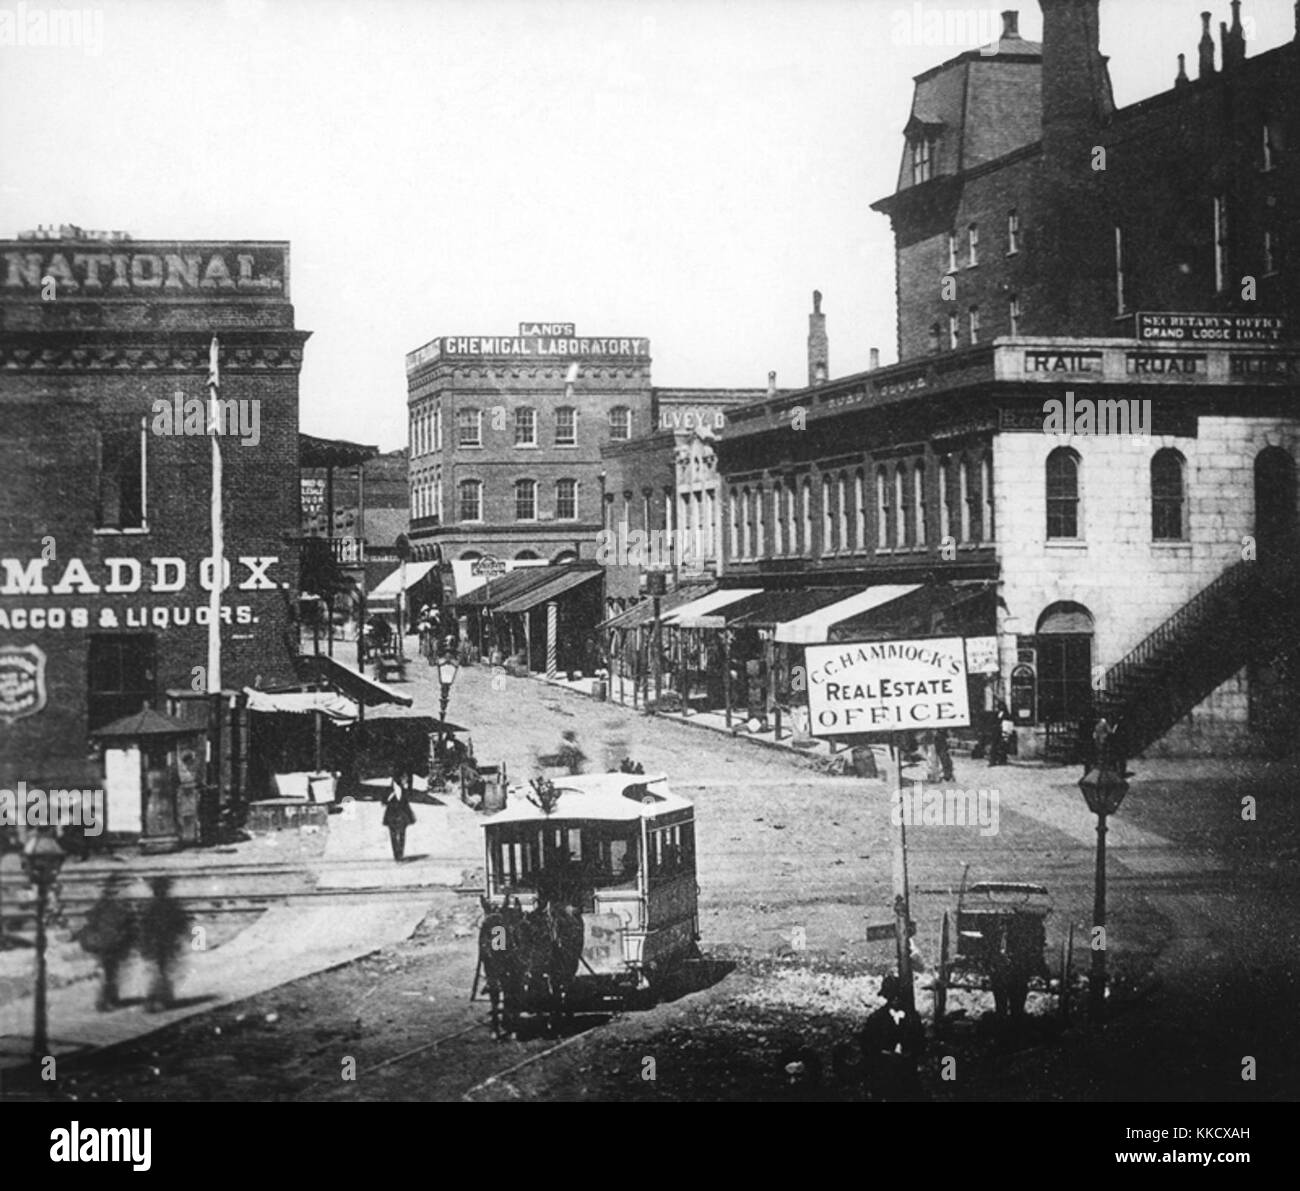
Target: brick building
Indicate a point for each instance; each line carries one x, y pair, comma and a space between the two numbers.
1129, 544
104, 479
506, 434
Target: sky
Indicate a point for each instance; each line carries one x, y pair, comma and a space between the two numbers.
683, 170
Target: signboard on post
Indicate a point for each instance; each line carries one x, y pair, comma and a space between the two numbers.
981, 655
887, 686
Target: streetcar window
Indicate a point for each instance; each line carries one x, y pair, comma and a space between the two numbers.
672, 850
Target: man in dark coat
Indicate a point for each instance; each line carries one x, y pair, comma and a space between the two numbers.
109, 934
398, 815
164, 926
892, 1042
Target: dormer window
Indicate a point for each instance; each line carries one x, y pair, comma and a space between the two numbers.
922, 158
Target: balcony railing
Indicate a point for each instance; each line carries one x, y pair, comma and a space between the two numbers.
349, 551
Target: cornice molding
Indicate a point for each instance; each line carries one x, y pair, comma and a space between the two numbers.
278, 352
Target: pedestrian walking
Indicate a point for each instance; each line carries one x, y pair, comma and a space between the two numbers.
892, 1042
1102, 732
398, 814
1085, 745
108, 935
942, 754
164, 926
570, 756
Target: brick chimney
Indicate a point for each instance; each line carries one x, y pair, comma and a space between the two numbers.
1205, 50
1076, 85
1233, 39
1010, 23
1181, 79
771, 384
818, 350
875, 351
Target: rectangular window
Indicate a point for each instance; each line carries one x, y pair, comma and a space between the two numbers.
973, 246
1220, 244
1013, 232
566, 426
525, 426
566, 500
922, 152
952, 252
471, 500
1267, 146
122, 478
974, 324
882, 509
120, 676
934, 337
1013, 314
986, 490
954, 332
437, 429
525, 500
1270, 252
828, 525
469, 427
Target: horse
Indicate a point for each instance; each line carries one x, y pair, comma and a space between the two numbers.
528, 957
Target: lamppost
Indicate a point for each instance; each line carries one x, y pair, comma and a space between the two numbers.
42, 859
1103, 789
448, 668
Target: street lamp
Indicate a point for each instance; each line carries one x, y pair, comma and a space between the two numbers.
42, 859
1103, 789
448, 668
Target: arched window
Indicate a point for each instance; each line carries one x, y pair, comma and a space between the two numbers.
1275, 498
807, 516
900, 505
760, 521
918, 502
1063, 494
470, 493
828, 524
882, 508
469, 427
525, 500
527, 556
620, 422
860, 508
1168, 523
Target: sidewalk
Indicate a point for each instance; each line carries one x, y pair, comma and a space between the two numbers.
286, 943
444, 842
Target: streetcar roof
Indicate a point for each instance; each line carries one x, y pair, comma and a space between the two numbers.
600, 797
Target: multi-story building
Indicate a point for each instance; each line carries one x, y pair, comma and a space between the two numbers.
1090, 417
506, 437
104, 479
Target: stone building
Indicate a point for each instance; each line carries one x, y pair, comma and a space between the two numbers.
1087, 444
104, 479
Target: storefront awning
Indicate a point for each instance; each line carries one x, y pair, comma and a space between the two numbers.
814, 627
777, 605
555, 586
389, 586
644, 612
464, 582
334, 706
503, 587
357, 686
936, 609
702, 613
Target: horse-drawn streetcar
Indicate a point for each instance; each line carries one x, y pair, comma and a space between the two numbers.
590, 890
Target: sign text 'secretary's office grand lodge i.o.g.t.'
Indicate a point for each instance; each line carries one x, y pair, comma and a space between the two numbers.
105, 537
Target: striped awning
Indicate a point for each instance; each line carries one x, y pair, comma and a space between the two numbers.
814, 627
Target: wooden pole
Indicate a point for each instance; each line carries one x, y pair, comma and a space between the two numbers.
726, 674
902, 895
